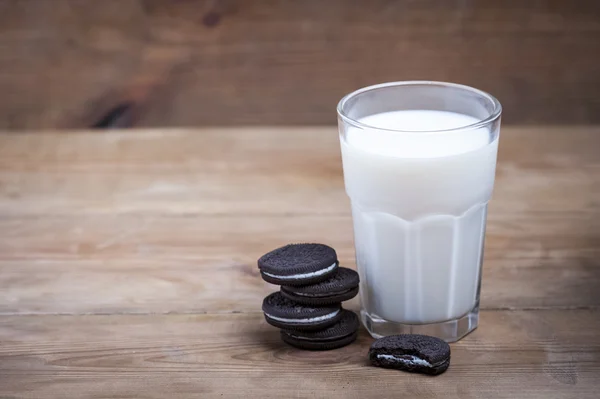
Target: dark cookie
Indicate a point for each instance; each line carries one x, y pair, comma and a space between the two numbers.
342, 333
341, 286
298, 264
415, 353
284, 313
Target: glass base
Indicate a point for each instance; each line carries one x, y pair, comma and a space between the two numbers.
449, 331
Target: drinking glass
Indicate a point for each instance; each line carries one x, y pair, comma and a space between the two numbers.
419, 161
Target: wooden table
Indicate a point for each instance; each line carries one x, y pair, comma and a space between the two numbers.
128, 267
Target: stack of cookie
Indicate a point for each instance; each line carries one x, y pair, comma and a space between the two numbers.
308, 306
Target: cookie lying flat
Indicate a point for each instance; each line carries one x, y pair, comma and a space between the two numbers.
342, 333
298, 264
415, 353
287, 314
341, 286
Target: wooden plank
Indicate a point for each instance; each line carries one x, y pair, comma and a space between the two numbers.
70, 63
140, 264
261, 171
524, 354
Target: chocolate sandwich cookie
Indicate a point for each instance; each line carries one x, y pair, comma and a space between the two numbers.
287, 314
298, 264
414, 353
341, 286
342, 333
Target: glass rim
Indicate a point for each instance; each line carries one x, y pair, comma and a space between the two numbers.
496, 113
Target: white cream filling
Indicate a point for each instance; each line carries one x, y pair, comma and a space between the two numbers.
315, 339
309, 320
324, 294
411, 360
303, 275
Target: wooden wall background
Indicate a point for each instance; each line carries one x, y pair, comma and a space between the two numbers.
84, 63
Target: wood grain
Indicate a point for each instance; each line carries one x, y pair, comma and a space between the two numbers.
127, 267
524, 354
76, 64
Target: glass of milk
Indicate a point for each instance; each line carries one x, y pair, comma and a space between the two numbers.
419, 160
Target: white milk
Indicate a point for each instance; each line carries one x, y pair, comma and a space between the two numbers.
419, 204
